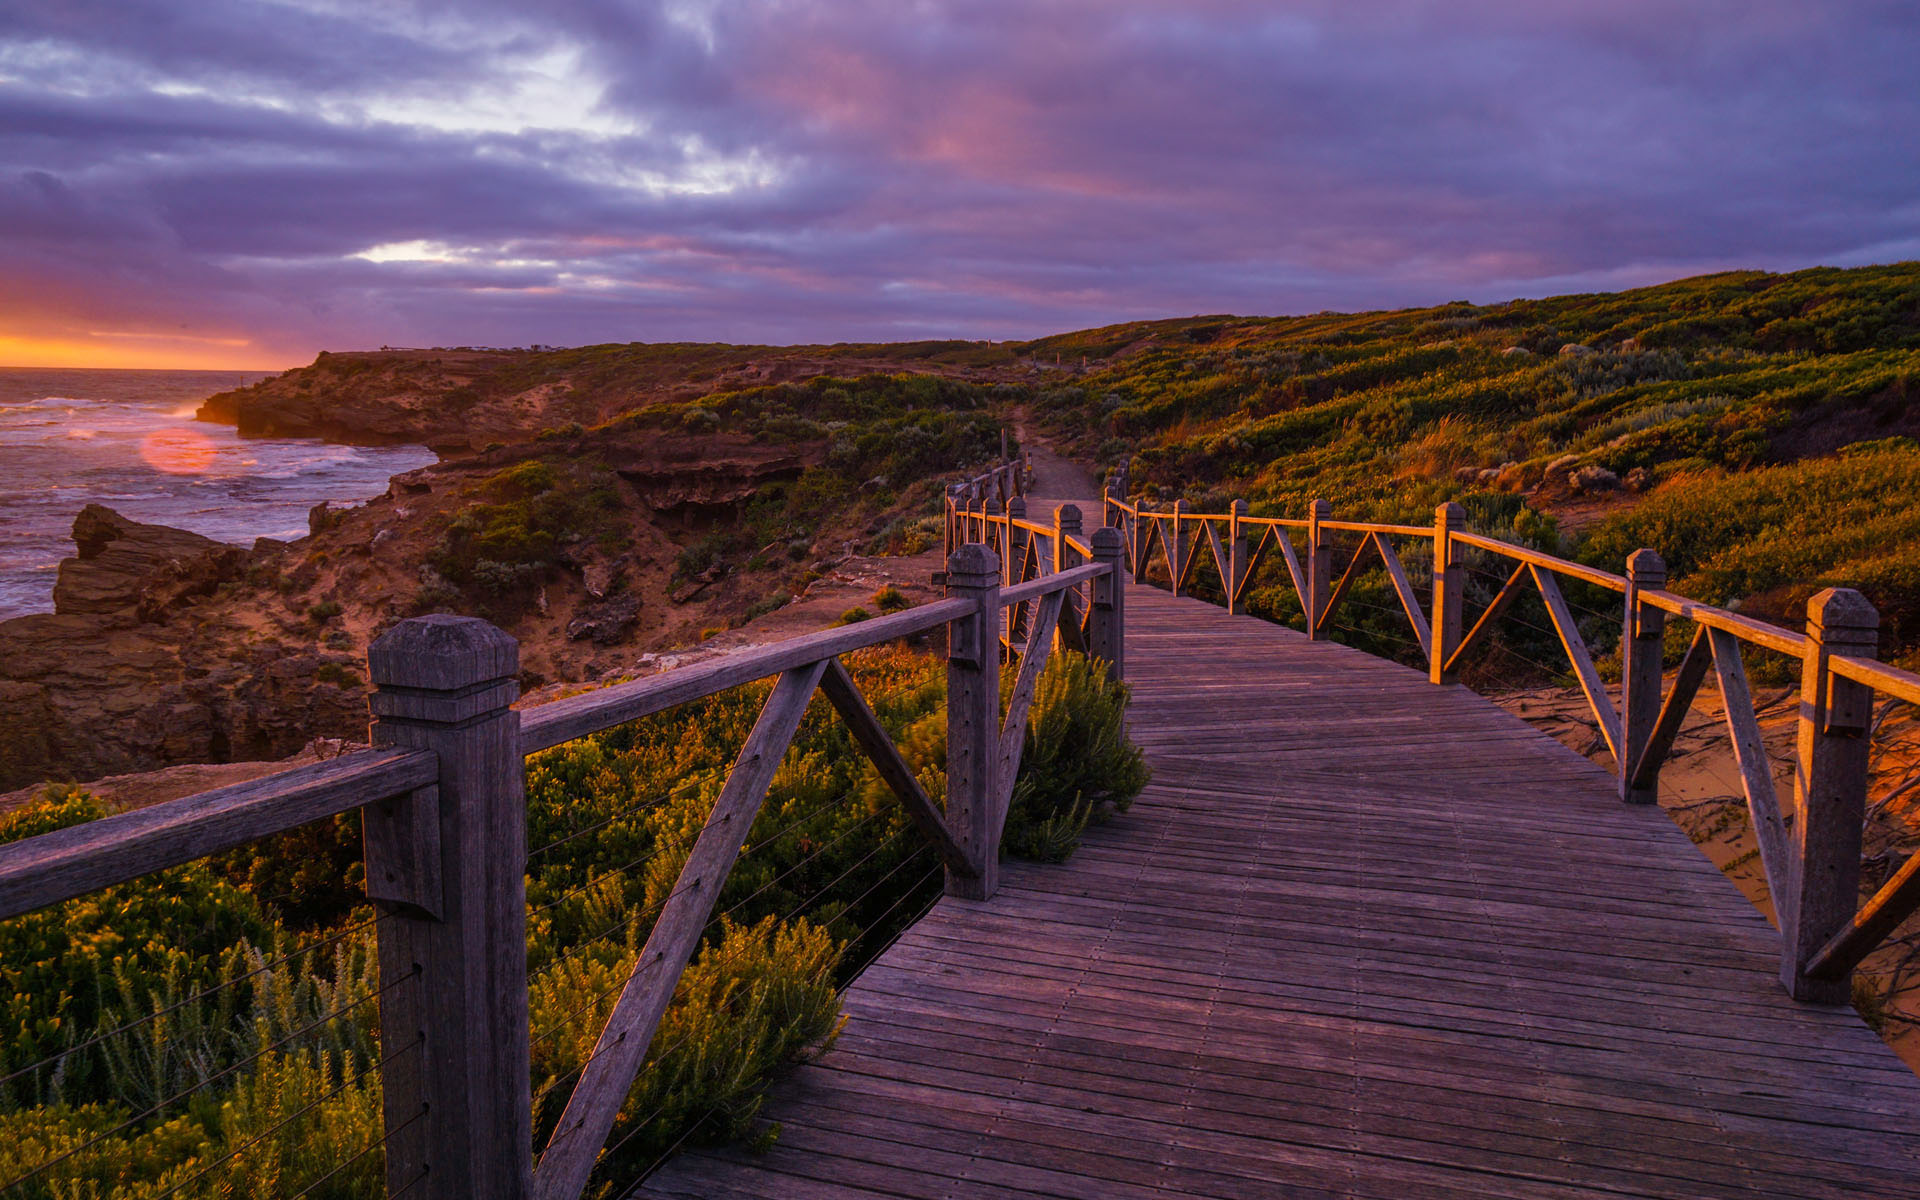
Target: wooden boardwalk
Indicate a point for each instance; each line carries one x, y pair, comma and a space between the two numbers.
1361, 937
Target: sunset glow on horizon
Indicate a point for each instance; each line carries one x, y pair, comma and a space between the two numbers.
234, 185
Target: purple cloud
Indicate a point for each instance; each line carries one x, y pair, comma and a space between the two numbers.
772, 171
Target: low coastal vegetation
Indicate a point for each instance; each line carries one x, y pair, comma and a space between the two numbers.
165, 1033
1753, 427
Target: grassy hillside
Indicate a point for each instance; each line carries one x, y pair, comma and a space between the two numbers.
1758, 429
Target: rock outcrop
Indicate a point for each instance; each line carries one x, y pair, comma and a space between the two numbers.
122, 676
125, 567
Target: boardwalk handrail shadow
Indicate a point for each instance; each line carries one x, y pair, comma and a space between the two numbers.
442, 803
1811, 853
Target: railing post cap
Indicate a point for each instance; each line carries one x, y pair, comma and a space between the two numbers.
1321, 508
1017, 506
1449, 513
1067, 516
993, 504
1238, 508
1644, 565
1836, 609
1107, 542
1181, 505
972, 565
442, 653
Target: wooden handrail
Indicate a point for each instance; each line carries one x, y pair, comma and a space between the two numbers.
1419, 531
1902, 685
1535, 558
65, 863
1746, 629
551, 724
1033, 589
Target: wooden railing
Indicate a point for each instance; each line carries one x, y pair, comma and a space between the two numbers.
1810, 851
968, 500
441, 796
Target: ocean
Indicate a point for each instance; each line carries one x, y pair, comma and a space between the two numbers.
128, 440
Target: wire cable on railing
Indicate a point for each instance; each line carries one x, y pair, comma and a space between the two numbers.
365, 1150
611, 1152
256, 1056
569, 953
177, 1005
653, 908
648, 804
277, 1126
659, 848
594, 1001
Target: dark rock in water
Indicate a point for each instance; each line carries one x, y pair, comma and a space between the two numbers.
607, 622
128, 568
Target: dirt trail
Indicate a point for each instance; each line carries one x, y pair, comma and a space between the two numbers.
1055, 479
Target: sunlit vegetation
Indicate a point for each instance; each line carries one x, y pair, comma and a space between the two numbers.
1710, 419
163, 1032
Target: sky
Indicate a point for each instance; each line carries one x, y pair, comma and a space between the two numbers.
241, 183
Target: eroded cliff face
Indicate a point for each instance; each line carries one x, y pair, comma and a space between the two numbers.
167, 647
142, 662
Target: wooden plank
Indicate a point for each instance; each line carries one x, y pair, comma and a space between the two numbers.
1547, 562
1596, 692
1219, 557
1772, 637
1403, 589
609, 1072
1673, 710
66, 863
1294, 571
1750, 753
1902, 685
549, 725
1048, 584
874, 741
1013, 730
1897, 899
1346, 581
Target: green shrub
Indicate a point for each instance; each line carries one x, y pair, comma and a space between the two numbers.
890, 599
1769, 538
854, 616
1077, 762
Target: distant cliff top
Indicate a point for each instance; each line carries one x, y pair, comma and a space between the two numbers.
464, 399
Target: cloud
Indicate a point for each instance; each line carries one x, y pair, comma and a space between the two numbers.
300, 175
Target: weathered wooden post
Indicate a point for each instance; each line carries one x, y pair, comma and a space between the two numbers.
1319, 566
448, 866
973, 720
1182, 544
1642, 645
1016, 560
1449, 591
1107, 623
953, 518
1237, 563
992, 531
1142, 538
1066, 524
1830, 792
